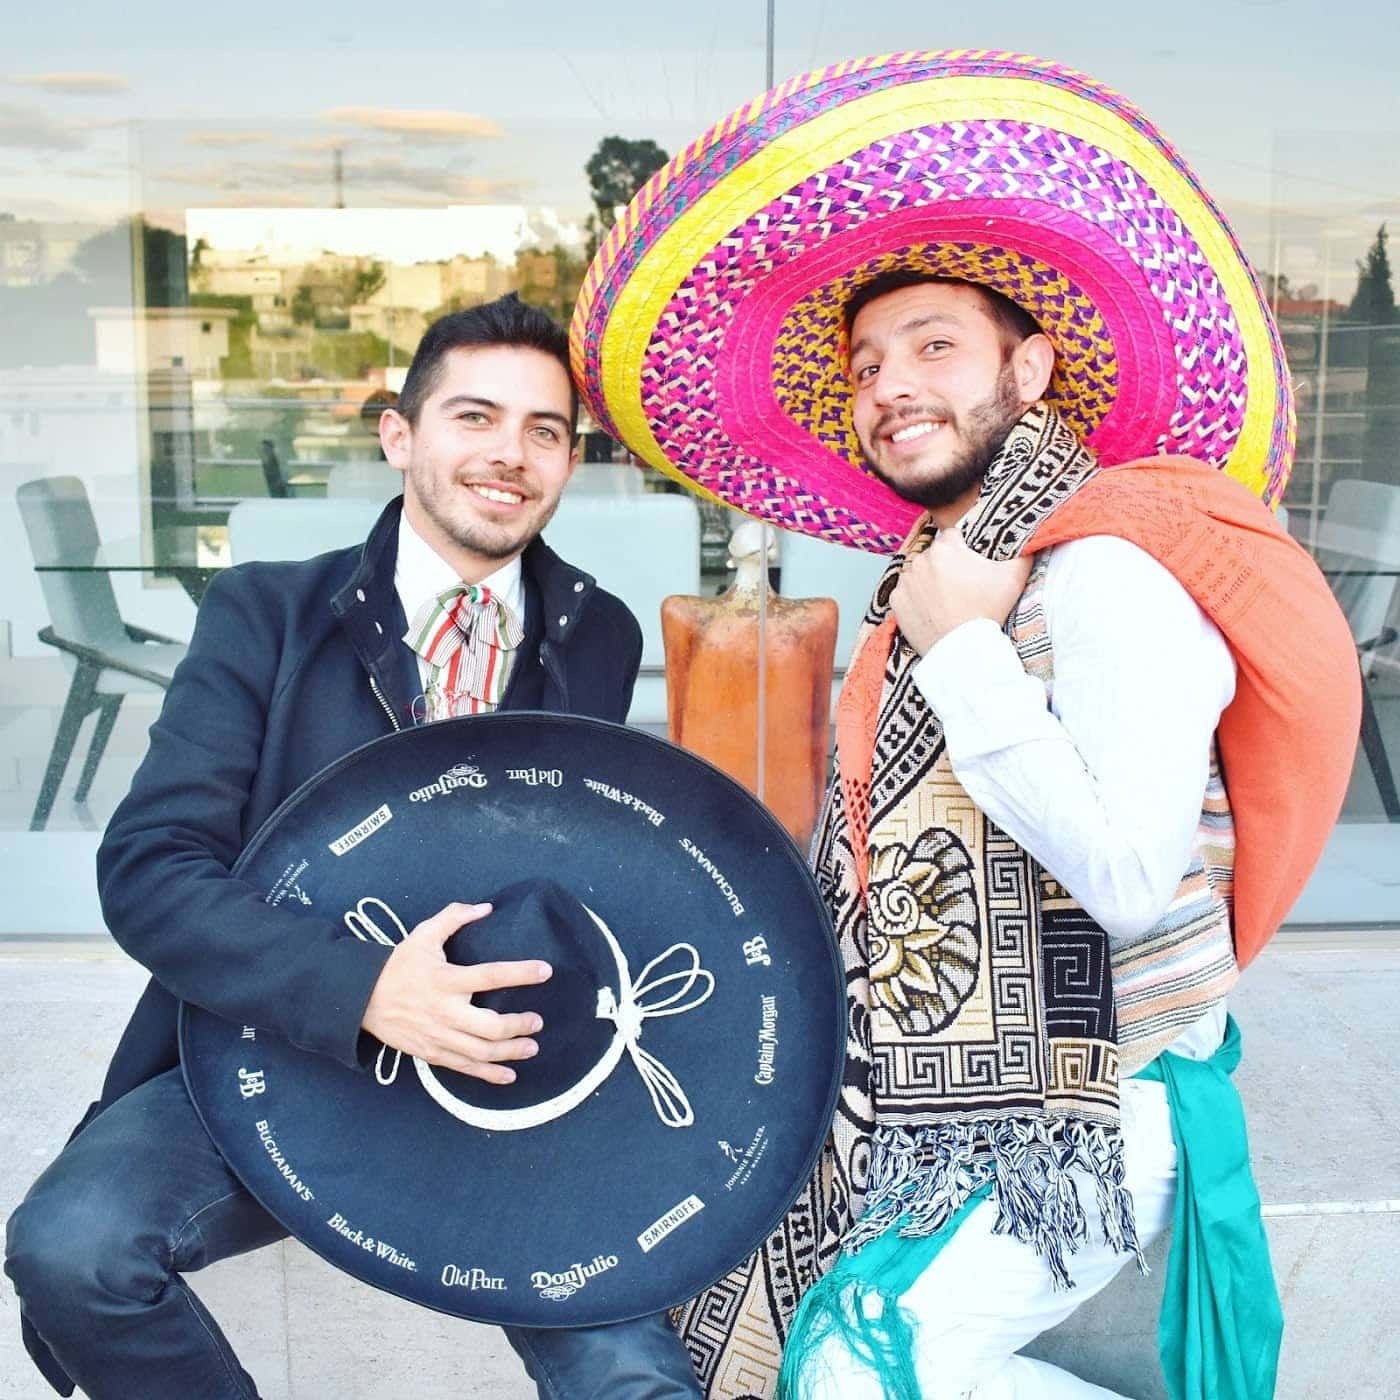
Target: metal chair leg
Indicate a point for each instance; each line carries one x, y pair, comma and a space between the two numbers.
82, 699
109, 705
1373, 743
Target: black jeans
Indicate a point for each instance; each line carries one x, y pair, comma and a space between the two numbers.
141, 1196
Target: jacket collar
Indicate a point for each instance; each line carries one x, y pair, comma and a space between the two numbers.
368, 608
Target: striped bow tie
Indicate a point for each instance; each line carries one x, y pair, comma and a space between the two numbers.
468, 637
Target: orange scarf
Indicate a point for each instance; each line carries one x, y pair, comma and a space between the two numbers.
1288, 738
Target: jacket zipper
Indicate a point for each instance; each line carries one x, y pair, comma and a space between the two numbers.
388, 709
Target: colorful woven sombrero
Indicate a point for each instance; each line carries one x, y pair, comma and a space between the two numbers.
708, 332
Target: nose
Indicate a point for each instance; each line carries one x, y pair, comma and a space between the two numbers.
507, 449
894, 384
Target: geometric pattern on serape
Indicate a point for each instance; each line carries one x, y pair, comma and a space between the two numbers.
909, 747
1083, 1079
726, 369
1076, 966
925, 930
961, 1073
1039, 467
815, 390
949, 893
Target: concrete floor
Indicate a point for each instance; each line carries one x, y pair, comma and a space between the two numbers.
1321, 1044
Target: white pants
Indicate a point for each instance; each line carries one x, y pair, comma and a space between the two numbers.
985, 1296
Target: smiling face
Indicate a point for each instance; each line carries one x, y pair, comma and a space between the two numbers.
488, 457
937, 388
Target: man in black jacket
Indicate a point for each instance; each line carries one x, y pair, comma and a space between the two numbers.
453, 605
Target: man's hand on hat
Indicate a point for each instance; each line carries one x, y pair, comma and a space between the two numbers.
949, 584
422, 1003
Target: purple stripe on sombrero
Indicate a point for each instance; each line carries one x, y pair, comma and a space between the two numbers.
719, 151
713, 156
724, 279
1213, 331
706, 161
753, 418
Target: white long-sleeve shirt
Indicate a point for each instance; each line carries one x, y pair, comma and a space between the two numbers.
1103, 786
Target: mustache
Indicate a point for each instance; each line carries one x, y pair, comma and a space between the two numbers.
891, 420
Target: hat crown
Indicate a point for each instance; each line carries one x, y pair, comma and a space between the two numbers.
541, 919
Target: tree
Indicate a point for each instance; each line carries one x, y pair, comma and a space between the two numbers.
106, 262
1374, 302
303, 306
365, 279
617, 170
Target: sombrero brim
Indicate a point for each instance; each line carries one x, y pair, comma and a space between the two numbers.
708, 332
606, 1212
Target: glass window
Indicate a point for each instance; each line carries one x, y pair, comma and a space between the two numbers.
218, 253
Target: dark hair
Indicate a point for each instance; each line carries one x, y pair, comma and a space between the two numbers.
505, 321
1014, 322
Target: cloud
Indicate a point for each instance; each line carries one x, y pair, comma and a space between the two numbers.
321, 145
29, 129
112, 175
413, 123
381, 180
75, 84
387, 174
225, 140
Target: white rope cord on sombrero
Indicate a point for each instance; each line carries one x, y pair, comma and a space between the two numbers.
627, 1011
367, 931
667, 1096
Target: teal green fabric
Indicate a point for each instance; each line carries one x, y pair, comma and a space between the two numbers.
1221, 1323
839, 1305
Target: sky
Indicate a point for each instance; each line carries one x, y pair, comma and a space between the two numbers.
1286, 105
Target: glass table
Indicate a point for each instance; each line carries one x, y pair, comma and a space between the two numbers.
190, 554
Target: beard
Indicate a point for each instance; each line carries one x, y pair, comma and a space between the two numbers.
487, 539
981, 433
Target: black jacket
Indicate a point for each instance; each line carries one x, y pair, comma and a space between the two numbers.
291, 666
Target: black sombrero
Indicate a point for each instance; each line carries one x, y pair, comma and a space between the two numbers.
694, 1026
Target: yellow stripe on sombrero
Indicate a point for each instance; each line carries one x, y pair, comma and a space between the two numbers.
827, 138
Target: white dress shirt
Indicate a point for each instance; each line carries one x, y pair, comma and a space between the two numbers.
421, 573
1103, 786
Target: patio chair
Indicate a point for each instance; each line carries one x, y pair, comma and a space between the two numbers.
274, 478
364, 480
107, 658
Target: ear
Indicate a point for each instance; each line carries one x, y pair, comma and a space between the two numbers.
1032, 363
575, 455
396, 438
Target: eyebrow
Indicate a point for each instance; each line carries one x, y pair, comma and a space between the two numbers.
917, 323
461, 400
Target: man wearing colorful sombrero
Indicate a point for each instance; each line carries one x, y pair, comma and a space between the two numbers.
970, 309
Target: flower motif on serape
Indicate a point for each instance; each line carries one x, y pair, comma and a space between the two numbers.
925, 944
